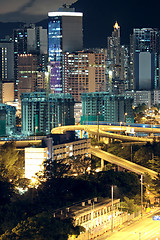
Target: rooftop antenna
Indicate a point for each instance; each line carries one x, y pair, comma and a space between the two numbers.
66, 5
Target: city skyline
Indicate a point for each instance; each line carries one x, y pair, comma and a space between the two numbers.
99, 18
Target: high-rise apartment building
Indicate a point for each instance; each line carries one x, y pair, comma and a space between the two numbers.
65, 33
144, 59
84, 71
41, 112
109, 107
27, 66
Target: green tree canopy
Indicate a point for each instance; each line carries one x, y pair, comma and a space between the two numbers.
10, 166
43, 227
129, 205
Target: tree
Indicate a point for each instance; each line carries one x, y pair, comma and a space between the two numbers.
54, 169
80, 165
143, 155
156, 182
10, 165
129, 205
43, 226
6, 192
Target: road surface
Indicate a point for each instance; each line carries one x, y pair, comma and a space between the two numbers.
144, 229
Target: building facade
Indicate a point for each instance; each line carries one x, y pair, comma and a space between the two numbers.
7, 92
84, 71
140, 97
34, 159
7, 120
27, 66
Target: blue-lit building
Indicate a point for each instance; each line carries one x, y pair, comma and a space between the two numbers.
106, 107
64, 34
41, 112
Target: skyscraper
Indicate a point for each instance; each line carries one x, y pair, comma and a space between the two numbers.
117, 61
64, 34
29, 39
144, 59
6, 63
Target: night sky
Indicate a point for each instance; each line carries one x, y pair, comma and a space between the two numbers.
99, 16
28, 10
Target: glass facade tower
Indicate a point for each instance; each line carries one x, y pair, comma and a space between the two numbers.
64, 34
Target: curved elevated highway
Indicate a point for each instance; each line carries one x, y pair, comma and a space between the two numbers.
93, 129
106, 131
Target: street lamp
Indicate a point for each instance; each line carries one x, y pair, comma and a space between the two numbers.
91, 201
98, 124
64, 119
125, 117
121, 126
112, 209
35, 131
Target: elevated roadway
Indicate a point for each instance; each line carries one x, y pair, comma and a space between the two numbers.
106, 131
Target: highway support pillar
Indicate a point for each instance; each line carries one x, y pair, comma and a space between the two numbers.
81, 134
102, 163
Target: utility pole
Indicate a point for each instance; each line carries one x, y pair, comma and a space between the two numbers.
141, 195
98, 124
112, 208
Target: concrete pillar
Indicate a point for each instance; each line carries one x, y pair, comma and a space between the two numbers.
120, 169
102, 164
81, 133
106, 140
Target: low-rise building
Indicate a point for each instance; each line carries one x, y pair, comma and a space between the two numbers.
34, 159
55, 147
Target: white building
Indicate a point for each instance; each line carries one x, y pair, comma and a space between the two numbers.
34, 159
